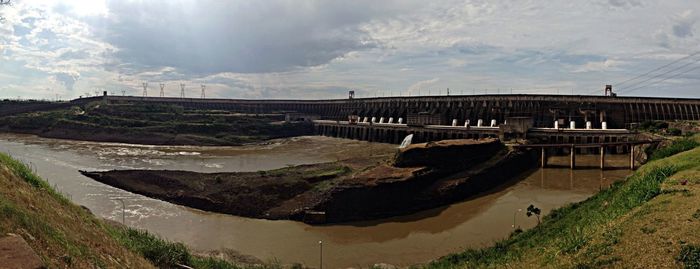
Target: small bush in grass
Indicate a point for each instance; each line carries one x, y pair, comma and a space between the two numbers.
690, 256
675, 131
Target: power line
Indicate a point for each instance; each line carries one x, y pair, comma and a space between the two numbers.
657, 82
657, 69
659, 75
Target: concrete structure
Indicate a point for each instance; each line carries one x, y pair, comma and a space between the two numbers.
617, 112
602, 147
518, 128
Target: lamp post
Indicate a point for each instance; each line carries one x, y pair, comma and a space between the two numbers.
514, 214
123, 209
320, 244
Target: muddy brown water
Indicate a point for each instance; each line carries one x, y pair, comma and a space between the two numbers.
404, 240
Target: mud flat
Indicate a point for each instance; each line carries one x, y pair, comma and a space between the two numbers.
348, 190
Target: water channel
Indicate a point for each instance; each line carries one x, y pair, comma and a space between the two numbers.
404, 240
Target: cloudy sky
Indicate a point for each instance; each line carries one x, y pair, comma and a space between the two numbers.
321, 49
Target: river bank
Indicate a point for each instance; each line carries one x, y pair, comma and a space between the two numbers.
347, 190
650, 220
403, 240
150, 124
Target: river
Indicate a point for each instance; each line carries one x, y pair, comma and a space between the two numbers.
404, 240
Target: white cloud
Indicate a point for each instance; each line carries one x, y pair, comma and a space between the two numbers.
415, 88
288, 49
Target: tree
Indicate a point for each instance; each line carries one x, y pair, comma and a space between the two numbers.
532, 210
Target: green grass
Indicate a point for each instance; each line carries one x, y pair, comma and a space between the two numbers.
165, 254
23, 171
36, 225
679, 145
567, 230
160, 252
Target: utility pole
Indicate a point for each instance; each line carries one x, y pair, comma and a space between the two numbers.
204, 95
162, 90
145, 89
182, 90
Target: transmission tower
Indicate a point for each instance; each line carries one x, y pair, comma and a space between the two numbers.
145, 89
162, 90
203, 91
123, 92
182, 90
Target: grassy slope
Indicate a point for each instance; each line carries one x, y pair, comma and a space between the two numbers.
66, 236
642, 222
62, 234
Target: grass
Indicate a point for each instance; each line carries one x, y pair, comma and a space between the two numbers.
677, 146
165, 254
571, 236
25, 173
55, 225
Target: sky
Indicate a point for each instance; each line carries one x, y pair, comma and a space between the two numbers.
296, 49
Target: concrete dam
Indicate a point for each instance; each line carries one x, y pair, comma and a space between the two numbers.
560, 119
617, 112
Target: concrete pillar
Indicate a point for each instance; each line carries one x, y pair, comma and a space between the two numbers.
391, 120
631, 157
602, 157
374, 119
572, 125
493, 123
466, 123
556, 124
589, 125
543, 157
454, 122
381, 120
604, 125
479, 123
573, 157
400, 120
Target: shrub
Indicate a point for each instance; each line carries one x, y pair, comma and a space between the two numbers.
675, 131
677, 146
690, 256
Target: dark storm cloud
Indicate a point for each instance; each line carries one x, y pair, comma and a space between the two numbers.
244, 37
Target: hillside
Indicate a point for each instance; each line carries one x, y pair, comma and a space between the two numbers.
64, 235
650, 220
153, 124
